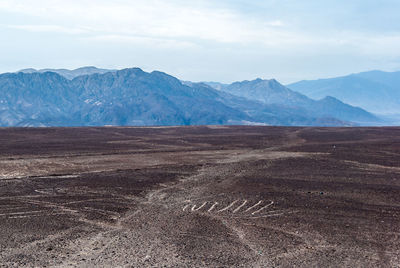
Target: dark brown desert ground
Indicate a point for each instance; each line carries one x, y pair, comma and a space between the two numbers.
200, 197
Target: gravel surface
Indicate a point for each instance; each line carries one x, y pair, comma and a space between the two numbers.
218, 196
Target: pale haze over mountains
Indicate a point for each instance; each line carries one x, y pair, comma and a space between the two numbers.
375, 91
94, 97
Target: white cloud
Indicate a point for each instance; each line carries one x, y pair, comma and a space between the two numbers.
180, 23
146, 41
205, 36
48, 28
151, 18
277, 23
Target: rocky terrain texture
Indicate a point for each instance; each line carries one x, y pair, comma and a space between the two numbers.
216, 196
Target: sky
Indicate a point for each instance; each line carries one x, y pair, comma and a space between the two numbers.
204, 40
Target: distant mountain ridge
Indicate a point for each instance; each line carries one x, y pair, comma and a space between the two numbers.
138, 98
375, 91
70, 74
272, 92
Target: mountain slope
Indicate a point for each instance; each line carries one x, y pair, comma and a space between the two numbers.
37, 97
375, 91
330, 106
391, 79
134, 97
272, 92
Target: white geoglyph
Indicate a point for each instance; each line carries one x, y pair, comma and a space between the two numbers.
236, 209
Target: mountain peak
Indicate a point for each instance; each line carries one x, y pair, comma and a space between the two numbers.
70, 74
134, 70
28, 70
266, 82
87, 68
330, 98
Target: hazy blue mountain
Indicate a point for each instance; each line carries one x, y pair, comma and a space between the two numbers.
70, 74
391, 79
37, 97
275, 114
330, 106
216, 85
272, 92
267, 91
135, 97
375, 91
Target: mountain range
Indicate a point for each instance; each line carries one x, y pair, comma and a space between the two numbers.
95, 97
70, 74
272, 92
375, 91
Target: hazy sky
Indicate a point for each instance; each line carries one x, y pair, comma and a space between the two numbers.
204, 40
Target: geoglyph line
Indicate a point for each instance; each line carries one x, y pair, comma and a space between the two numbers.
36, 215
196, 209
264, 207
228, 207
274, 214
266, 215
213, 206
22, 213
239, 207
254, 206
236, 209
13, 208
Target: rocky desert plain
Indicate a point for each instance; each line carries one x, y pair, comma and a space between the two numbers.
205, 196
